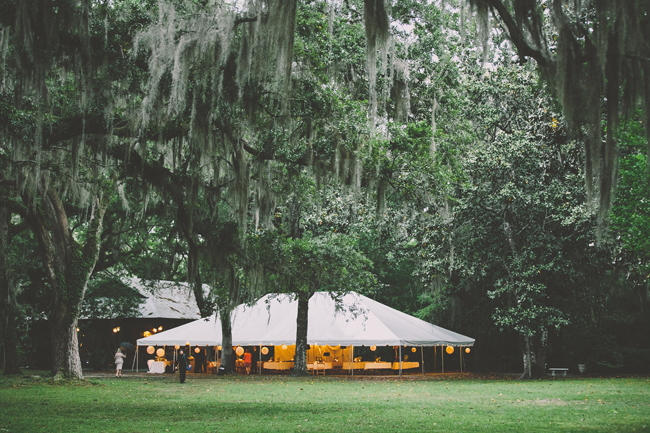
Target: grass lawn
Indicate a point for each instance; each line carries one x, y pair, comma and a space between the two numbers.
285, 404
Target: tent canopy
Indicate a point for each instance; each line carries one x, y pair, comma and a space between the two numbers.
351, 319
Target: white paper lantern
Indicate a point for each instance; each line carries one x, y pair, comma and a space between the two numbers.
265, 350
197, 350
239, 351
150, 350
373, 347
160, 353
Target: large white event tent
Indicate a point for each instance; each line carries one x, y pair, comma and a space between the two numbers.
350, 320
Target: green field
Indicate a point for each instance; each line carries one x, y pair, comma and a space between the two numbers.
286, 404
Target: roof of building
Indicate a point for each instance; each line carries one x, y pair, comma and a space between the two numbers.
165, 299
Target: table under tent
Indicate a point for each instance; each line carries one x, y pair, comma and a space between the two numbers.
338, 329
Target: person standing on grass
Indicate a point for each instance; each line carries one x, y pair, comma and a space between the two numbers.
119, 361
182, 365
247, 361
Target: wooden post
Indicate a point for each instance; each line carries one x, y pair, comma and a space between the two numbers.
400, 360
422, 353
461, 359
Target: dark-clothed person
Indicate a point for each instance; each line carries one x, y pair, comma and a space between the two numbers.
182, 365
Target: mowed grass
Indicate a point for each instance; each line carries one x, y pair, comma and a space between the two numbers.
286, 404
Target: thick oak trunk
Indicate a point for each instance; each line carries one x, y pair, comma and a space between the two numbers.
8, 307
300, 358
227, 354
68, 266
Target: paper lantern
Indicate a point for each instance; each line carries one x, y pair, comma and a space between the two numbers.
284, 347
239, 351
373, 347
265, 350
413, 349
160, 352
150, 350
197, 350
177, 347
218, 347
154, 330
467, 350
187, 343
450, 350
160, 328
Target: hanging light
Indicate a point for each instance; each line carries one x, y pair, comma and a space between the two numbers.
154, 330
77, 329
467, 350
177, 347
265, 350
284, 347
160, 352
118, 329
239, 351
160, 328
187, 343
218, 347
413, 349
449, 349
114, 330
373, 347
150, 350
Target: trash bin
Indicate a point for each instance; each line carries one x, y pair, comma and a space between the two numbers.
221, 371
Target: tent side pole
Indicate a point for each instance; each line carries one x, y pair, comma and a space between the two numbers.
259, 364
422, 353
435, 359
137, 352
400, 360
352, 360
461, 359
442, 357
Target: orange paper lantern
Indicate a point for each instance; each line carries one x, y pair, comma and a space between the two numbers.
150, 350
450, 350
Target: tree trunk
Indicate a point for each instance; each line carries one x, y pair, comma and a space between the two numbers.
68, 266
534, 355
8, 306
300, 358
227, 357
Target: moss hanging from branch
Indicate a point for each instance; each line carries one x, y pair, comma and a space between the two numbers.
596, 55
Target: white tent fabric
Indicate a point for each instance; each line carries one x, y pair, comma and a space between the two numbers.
352, 320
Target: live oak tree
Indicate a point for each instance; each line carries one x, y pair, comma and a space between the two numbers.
595, 55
